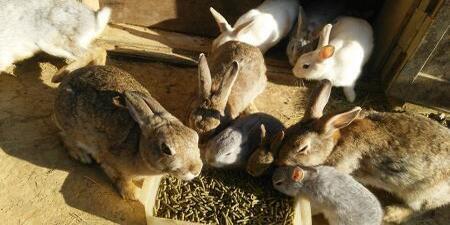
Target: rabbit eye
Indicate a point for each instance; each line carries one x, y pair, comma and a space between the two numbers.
305, 66
166, 150
303, 149
278, 183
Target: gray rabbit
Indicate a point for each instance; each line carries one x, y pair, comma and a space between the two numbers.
405, 154
233, 146
341, 199
62, 28
105, 114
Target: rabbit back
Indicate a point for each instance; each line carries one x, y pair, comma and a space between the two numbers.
90, 105
342, 199
59, 28
251, 80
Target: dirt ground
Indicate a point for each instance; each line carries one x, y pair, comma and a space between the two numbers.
40, 184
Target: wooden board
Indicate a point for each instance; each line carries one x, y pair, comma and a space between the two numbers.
167, 46
185, 16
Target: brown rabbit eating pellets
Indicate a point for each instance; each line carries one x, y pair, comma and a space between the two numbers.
106, 115
228, 87
405, 154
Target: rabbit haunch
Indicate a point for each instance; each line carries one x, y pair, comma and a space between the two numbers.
262, 27
106, 114
405, 154
62, 28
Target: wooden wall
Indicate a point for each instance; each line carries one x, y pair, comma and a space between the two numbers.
185, 16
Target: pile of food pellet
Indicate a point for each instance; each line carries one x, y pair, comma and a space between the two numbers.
223, 197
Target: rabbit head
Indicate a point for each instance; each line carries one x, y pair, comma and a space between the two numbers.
165, 143
209, 110
263, 157
231, 147
227, 32
315, 65
289, 179
311, 141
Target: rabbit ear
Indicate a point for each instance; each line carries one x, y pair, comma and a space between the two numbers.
243, 27
228, 81
326, 52
318, 100
276, 141
204, 77
222, 23
334, 122
102, 17
262, 134
139, 109
297, 174
324, 38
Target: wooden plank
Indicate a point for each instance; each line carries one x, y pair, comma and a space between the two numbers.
166, 46
163, 221
302, 211
149, 194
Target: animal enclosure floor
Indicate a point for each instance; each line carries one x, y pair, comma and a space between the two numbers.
40, 184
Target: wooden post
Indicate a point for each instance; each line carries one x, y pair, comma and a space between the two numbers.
93, 4
302, 211
149, 194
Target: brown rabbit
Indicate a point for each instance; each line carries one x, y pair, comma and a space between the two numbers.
404, 154
106, 114
236, 76
262, 158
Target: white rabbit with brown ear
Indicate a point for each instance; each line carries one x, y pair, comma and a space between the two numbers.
341, 199
342, 51
236, 75
262, 27
405, 154
106, 115
62, 28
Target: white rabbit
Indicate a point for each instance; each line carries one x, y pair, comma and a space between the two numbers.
63, 28
262, 27
342, 52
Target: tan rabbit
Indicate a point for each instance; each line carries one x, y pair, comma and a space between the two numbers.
235, 77
107, 115
263, 157
405, 154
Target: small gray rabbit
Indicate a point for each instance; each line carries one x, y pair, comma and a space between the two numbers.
63, 28
228, 87
341, 199
233, 146
105, 114
405, 154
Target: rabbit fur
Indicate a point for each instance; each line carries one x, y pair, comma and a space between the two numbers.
236, 75
342, 51
262, 27
106, 115
233, 146
341, 199
405, 154
62, 28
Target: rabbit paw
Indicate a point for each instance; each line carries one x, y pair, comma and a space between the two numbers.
128, 190
396, 214
350, 94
